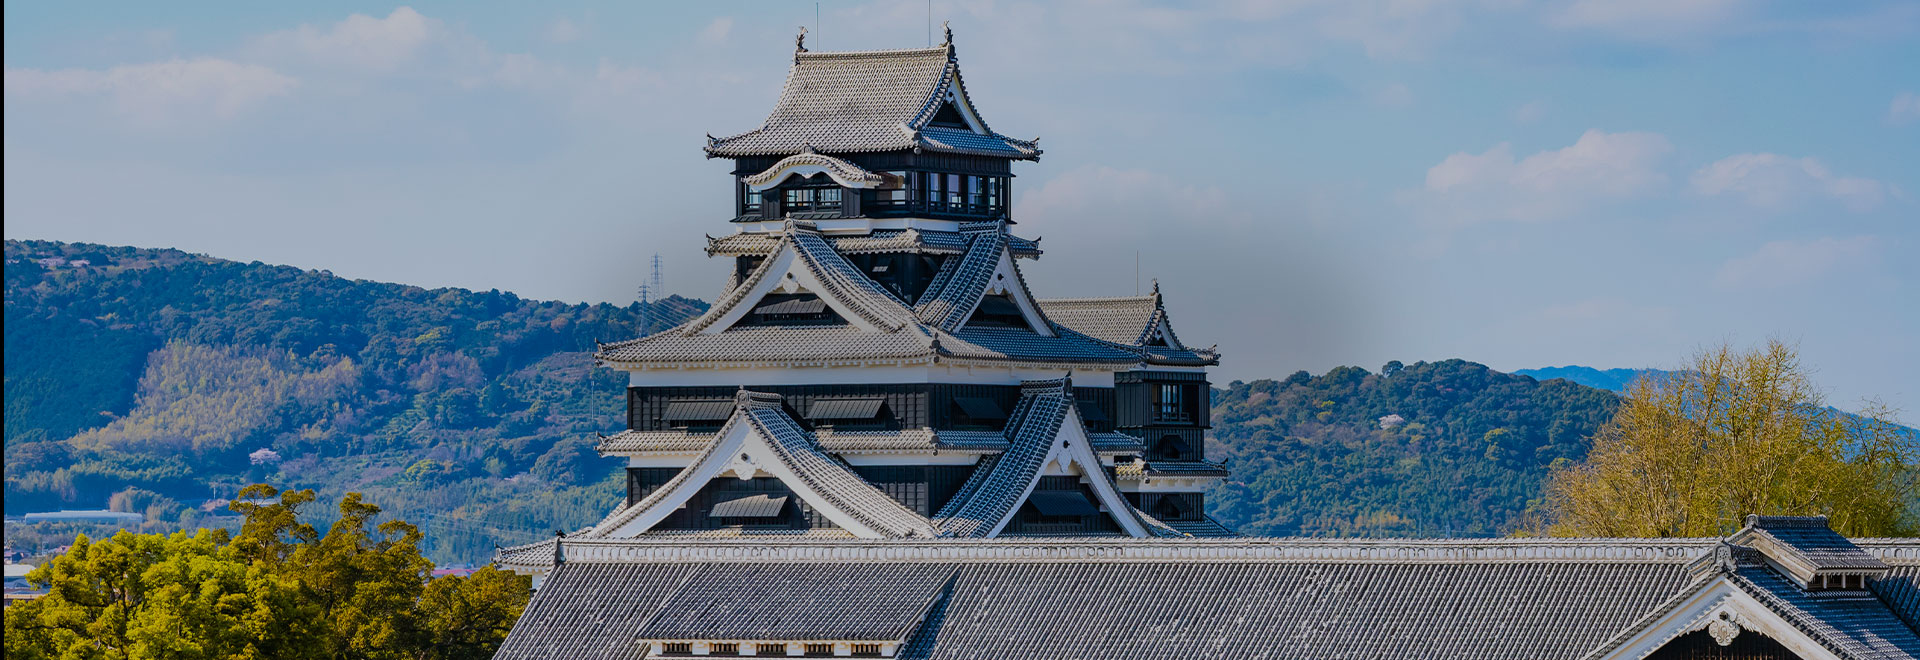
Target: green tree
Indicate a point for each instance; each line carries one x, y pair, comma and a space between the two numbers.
277, 589
1736, 433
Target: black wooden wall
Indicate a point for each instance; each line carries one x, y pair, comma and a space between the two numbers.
915, 405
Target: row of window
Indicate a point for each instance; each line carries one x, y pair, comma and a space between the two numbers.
919, 191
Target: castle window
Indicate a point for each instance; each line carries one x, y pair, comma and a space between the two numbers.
819, 650
723, 648
1170, 404
956, 192
850, 414
771, 649
1170, 448
677, 648
791, 309
1170, 508
977, 413
866, 650
697, 414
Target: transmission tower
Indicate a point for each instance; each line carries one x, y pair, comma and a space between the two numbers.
648, 290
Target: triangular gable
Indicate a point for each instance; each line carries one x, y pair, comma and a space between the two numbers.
803, 262
761, 439
1047, 437
988, 268
1721, 607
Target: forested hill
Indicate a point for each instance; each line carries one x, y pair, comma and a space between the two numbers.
1430, 449
473, 412
156, 380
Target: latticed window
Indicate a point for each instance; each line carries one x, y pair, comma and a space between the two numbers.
1170, 404
819, 650
771, 649
682, 648
866, 650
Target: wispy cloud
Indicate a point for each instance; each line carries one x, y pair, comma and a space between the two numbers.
1774, 182
1787, 263
160, 92
1904, 109
1493, 185
360, 41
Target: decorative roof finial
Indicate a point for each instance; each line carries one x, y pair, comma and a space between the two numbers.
800, 42
949, 31
1156, 287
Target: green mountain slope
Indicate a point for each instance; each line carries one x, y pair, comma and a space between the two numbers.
1466, 453
155, 380
185, 377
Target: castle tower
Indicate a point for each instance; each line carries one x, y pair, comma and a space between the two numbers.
876, 365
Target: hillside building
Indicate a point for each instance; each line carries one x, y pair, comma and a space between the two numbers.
878, 442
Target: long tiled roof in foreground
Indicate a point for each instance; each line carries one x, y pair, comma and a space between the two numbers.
1195, 598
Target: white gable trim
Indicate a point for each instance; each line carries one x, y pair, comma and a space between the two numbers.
957, 95
1072, 454
1006, 281
785, 275
1721, 608
742, 452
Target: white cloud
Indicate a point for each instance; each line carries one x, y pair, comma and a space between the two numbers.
715, 33
1905, 108
1130, 203
563, 31
360, 41
1785, 263
1492, 185
1776, 182
157, 92
1530, 112
1605, 310
1397, 94
1642, 19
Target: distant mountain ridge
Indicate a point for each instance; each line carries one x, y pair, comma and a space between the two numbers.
1611, 380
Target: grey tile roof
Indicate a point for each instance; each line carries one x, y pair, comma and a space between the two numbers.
1128, 321
829, 439
916, 241
794, 446
868, 101
1001, 482
1144, 468
592, 611
903, 336
1206, 527
800, 602
1900, 590
841, 171
957, 288
1118, 320
1523, 599
1857, 627
1810, 540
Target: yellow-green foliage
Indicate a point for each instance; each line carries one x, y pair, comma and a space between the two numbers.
1737, 433
278, 589
202, 399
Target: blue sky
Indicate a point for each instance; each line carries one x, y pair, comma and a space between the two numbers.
1314, 182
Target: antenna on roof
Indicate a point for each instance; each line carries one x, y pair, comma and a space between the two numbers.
816, 19
929, 23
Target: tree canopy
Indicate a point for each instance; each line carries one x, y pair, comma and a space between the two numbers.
1693, 452
276, 589
1448, 448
